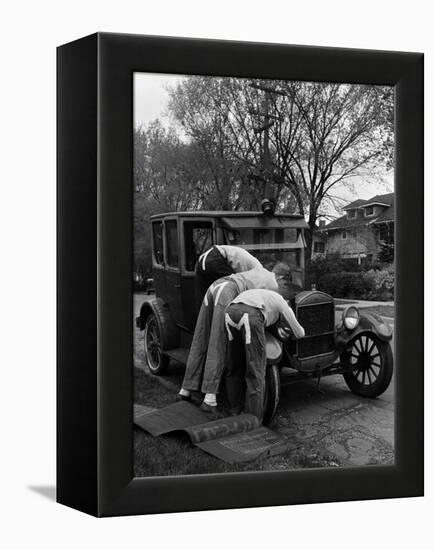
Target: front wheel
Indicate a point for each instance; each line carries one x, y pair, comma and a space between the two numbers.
156, 361
371, 363
272, 393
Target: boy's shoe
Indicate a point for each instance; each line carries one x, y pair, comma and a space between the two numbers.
213, 411
180, 397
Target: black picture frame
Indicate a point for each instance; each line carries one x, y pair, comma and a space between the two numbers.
95, 315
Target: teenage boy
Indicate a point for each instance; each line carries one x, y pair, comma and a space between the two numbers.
221, 261
207, 357
246, 318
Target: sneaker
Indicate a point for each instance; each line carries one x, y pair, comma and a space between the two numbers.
180, 397
213, 411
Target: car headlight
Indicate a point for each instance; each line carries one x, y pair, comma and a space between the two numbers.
350, 317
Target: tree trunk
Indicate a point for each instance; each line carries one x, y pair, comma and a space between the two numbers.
309, 239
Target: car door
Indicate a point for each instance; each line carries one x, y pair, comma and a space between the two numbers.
197, 236
172, 269
158, 267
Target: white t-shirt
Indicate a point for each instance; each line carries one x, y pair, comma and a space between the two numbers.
273, 306
259, 277
238, 258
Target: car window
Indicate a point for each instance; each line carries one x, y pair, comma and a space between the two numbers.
198, 238
245, 236
172, 243
157, 231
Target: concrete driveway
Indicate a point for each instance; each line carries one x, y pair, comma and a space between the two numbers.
327, 425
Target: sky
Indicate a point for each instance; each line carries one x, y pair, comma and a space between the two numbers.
150, 102
150, 96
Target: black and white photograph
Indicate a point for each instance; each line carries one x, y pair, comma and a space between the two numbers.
263, 276
216, 276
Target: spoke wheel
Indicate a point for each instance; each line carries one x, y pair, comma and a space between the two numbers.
156, 361
370, 365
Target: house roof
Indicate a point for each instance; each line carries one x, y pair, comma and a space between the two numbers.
386, 199
388, 214
354, 204
343, 222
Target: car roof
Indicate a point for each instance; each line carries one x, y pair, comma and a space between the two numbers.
222, 214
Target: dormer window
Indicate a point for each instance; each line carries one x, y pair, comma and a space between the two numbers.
351, 214
344, 234
369, 211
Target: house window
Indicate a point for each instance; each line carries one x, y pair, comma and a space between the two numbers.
319, 247
385, 232
351, 214
344, 234
369, 211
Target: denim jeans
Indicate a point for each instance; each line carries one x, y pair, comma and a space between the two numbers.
207, 357
247, 360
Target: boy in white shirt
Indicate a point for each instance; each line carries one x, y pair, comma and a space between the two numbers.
221, 261
207, 356
246, 318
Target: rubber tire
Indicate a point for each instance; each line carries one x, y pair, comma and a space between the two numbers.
156, 366
271, 393
384, 377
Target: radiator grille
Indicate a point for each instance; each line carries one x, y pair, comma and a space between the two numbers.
318, 323
317, 318
316, 345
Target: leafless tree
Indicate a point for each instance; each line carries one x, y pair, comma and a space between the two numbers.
301, 138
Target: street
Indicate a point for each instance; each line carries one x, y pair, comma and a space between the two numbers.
326, 424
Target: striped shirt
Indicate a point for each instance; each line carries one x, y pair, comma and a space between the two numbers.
273, 306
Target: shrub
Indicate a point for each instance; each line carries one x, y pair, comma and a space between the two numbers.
346, 278
374, 284
383, 283
346, 284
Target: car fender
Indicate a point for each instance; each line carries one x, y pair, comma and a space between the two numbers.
273, 349
369, 322
168, 329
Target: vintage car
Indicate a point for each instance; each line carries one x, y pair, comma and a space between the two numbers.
354, 344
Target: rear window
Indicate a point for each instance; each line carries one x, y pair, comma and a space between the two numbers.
172, 243
157, 231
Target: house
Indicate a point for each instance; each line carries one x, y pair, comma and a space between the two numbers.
361, 232
319, 240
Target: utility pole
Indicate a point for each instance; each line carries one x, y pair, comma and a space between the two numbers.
266, 163
266, 158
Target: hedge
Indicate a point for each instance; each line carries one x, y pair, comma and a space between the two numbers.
373, 284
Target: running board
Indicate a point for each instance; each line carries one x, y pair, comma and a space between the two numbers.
178, 354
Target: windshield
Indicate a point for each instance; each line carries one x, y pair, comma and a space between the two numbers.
269, 258
271, 246
284, 235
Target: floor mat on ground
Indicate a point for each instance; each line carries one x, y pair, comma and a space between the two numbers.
232, 439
